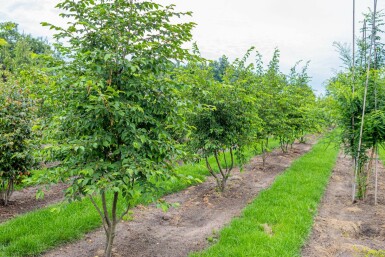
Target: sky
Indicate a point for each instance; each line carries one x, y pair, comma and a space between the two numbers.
300, 29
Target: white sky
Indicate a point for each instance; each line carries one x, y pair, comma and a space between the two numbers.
301, 29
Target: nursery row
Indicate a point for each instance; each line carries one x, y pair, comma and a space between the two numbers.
119, 102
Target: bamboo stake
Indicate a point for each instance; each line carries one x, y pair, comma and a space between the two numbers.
364, 41
376, 177
365, 96
353, 81
354, 45
376, 144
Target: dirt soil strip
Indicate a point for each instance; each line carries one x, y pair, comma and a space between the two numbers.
202, 211
24, 200
343, 228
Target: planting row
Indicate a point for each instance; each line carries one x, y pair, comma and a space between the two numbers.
118, 103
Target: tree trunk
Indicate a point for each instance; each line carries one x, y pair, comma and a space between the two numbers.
110, 234
7, 190
222, 184
263, 155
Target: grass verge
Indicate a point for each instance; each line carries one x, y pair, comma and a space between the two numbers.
278, 221
38, 231
381, 153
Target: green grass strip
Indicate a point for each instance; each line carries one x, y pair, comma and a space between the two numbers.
38, 231
381, 153
279, 220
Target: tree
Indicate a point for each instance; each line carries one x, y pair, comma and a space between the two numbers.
362, 107
19, 53
269, 91
301, 102
219, 68
225, 118
16, 158
120, 109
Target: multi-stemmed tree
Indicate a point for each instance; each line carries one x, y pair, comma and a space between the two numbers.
120, 113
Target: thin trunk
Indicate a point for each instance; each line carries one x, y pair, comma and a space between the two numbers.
218, 163
223, 185
105, 211
263, 154
110, 240
224, 157
105, 227
232, 158
282, 144
369, 170
7, 190
211, 171
111, 229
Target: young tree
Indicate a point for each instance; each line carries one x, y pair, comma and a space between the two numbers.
225, 119
365, 105
301, 102
18, 52
16, 157
120, 109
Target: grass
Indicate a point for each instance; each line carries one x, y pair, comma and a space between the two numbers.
381, 153
41, 230
279, 220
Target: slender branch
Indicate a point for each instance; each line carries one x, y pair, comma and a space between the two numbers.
114, 205
232, 159
124, 213
104, 203
99, 211
218, 163
224, 157
210, 169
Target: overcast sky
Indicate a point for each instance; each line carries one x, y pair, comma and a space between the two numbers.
301, 29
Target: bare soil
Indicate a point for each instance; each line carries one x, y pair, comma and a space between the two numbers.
202, 212
343, 228
24, 200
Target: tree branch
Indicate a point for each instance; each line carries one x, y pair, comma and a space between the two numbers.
104, 203
210, 169
218, 163
99, 211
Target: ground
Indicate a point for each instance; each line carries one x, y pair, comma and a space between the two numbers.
195, 223
343, 228
24, 200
